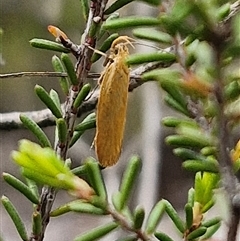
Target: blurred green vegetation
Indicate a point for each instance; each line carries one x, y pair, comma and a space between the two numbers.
20, 22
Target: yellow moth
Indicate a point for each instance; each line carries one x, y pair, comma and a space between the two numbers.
112, 104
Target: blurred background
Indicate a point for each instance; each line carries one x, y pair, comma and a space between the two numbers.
161, 176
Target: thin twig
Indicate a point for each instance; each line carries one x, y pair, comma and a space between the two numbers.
42, 74
70, 114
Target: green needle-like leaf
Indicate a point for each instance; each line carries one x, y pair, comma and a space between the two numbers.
58, 67
155, 217
197, 166
97, 233
55, 97
77, 206
49, 45
62, 130
88, 123
197, 233
152, 35
46, 99
162, 236
174, 216
138, 217
132, 21
21, 187
36, 223
211, 222
95, 178
13, 213
173, 103
128, 180
211, 231
70, 68
191, 196
82, 95
189, 215
150, 57
36, 130
85, 8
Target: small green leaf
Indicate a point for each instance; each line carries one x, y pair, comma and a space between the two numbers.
82, 95
88, 123
13, 213
58, 67
116, 201
162, 236
36, 130
211, 222
138, 217
155, 217
171, 121
205, 183
80, 170
128, 179
208, 205
196, 233
132, 21
47, 44
174, 216
152, 35
232, 90
97, 233
175, 105
223, 11
77, 206
197, 166
189, 215
85, 8
70, 68
36, 223
209, 150
95, 178
55, 97
62, 130
211, 231
21, 187
46, 99
197, 134
164, 57
187, 154
33, 187
184, 141
191, 196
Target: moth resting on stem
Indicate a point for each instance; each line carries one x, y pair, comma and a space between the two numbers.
112, 103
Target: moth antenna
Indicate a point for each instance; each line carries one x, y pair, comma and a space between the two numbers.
96, 51
122, 39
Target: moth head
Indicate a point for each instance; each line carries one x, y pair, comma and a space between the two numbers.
120, 44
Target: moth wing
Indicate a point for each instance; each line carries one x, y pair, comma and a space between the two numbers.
111, 113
